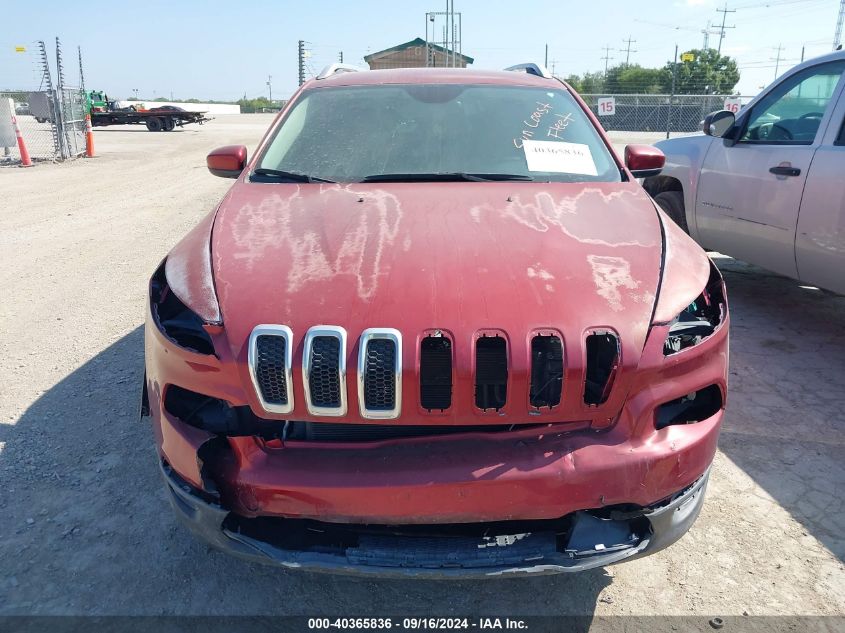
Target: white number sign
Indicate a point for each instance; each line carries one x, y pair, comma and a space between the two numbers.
607, 106
733, 104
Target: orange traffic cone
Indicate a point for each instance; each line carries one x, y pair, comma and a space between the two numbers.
89, 137
25, 159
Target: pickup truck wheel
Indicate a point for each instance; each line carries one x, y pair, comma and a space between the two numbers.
672, 202
154, 125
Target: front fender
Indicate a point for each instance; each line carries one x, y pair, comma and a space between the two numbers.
684, 159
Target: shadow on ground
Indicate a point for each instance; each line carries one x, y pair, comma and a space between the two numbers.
785, 419
87, 528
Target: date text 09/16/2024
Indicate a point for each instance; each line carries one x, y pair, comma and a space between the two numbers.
417, 623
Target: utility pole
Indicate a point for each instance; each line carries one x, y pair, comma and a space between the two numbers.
450, 46
446, 32
60, 103
454, 34
628, 50
724, 13
554, 63
837, 37
779, 49
301, 54
546, 63
707, 33
606, 59
802, 54
270, 86
340, 57
81, 74
672, 95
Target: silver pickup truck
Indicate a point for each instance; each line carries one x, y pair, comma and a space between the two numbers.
768, 185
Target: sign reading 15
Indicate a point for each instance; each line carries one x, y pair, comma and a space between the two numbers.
606, 106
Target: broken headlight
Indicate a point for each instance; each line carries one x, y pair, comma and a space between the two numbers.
700, 318
174, 319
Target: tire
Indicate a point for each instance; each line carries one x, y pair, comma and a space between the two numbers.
154, 124
169, 124
672, 202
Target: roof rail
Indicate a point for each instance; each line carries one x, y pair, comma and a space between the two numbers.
532, 69
334, 69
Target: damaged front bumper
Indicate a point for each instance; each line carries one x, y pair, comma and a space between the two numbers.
589, 539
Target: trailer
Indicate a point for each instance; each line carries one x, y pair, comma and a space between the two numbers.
164, 119
161, 119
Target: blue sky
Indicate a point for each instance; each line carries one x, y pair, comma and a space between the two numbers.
223, 49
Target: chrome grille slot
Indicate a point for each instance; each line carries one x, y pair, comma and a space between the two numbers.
270, 368
491, 372
380, 373
546, 371
379, 383
324, 370
269, 359
323, 376
436, 373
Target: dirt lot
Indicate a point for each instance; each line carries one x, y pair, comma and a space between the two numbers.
84, 523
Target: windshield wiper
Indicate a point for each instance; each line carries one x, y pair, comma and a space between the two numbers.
456, 176
286, 175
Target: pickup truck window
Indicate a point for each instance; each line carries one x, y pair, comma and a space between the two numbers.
792, 112
436, 132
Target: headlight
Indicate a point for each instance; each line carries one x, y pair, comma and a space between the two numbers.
174, 319
700, 318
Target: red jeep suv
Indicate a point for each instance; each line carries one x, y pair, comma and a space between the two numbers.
436, 327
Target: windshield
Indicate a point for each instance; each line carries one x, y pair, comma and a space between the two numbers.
419, 131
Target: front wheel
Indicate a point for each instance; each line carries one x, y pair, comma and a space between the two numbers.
672, 202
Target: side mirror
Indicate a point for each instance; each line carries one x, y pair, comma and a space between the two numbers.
228, 161
644, 161
718, 123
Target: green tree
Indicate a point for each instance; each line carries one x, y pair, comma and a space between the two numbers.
259, 104
634, 79
708, 73
589, 83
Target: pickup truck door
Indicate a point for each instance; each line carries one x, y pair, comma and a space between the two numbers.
820, 238
749, 192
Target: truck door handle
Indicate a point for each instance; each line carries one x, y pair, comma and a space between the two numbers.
784, 170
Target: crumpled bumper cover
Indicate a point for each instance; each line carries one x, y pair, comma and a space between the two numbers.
592, 542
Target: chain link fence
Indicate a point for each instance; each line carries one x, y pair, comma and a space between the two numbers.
51, 124
659, 113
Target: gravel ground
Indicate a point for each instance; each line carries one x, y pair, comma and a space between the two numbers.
84, 523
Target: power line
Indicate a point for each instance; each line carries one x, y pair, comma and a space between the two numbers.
674, 27
772, 3
784, 16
